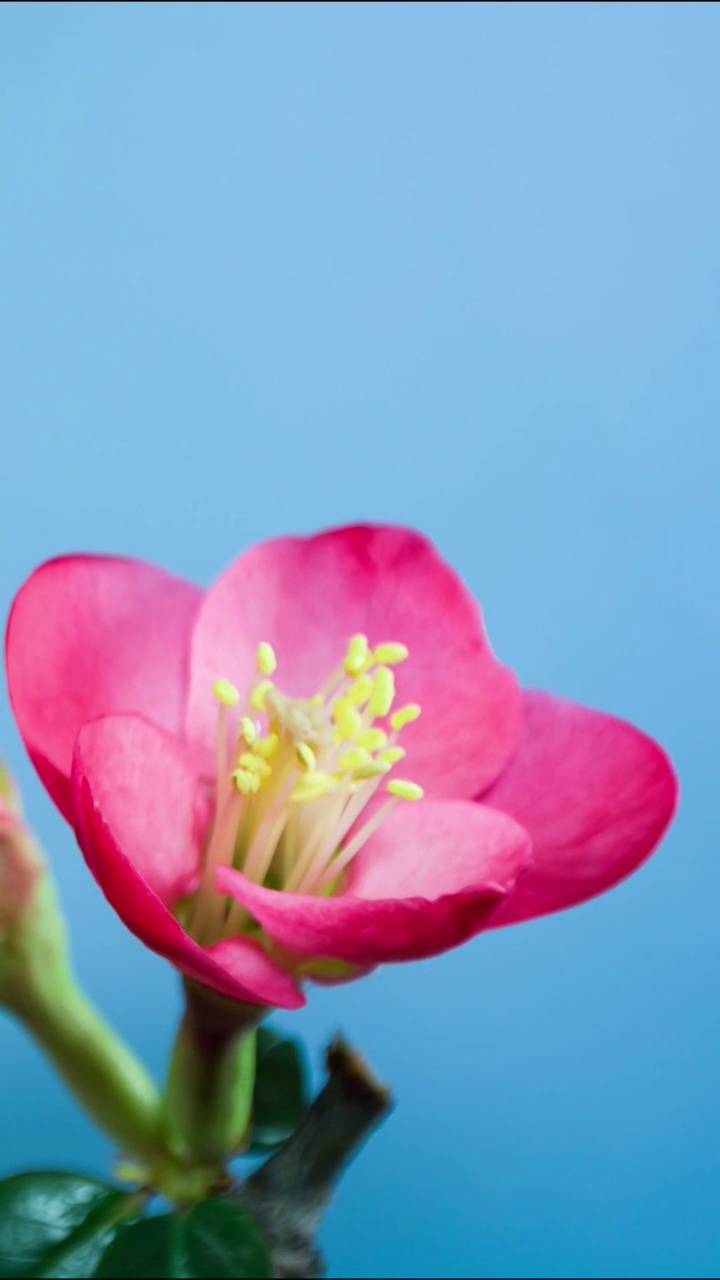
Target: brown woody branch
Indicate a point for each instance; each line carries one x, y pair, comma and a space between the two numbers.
289, 1193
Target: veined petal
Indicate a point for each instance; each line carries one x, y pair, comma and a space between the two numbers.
306, 596
92, 635
138, 822
431, 877
595, 795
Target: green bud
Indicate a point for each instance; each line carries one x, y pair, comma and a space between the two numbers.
22, 868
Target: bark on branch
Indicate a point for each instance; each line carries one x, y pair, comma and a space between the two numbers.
289, 1193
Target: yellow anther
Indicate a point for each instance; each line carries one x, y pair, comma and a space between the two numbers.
315, 778
266, 660
352, 759
257, 698
266, 747
372, 739
391, 653
306, 755
316, 701
383, 692
360, 690
347, 717
357, 652
373, 769
405, 790
312, 785
226, 693
247, 783
404, 715
391, 755
301, 794
340, 708
248, 730
255, 765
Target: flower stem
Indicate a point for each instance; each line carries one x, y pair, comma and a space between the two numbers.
208, 1102
38, 987
105, 1076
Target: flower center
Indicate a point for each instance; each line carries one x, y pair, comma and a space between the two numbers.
293, 776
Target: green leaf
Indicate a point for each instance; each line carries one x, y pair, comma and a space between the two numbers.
281, 1091
145, 1249
221, 1239
217, 1238
57, 1224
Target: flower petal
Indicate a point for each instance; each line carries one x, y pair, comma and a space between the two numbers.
595, 795
307, 596
91, 635
430, 878
137, 822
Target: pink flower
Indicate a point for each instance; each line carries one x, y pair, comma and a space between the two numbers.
252, 827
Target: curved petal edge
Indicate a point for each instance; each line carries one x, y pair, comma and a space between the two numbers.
596, 796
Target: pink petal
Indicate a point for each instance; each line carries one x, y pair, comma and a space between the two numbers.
137, 809
241, 965
91, 635
596, 796
431, 877
143, 784
307, 596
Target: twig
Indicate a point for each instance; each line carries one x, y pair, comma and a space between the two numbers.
290, 1192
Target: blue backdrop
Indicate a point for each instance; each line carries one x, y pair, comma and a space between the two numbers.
269, 267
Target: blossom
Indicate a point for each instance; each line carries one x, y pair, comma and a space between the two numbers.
318, 765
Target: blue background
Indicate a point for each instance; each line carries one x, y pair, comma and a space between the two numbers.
270, 267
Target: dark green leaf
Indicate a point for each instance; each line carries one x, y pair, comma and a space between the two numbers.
146, 1249
217, 1238
221, 1239
57, 1224
280, 1089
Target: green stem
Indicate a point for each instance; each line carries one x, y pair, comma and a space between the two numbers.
105, 1076
208, 1102
37, 985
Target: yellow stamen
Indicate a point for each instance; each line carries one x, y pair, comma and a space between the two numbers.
357, 652
405, 790
255, 765
373, 769
301, 794
226, 693
381, 698
248, 730
328, 753
266, 747
259, 693
266, 660
312, 785
315, 778
247, 783
372, 739
353, 758
405, 715
306, 755
360, 690
347, 717
391, 653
